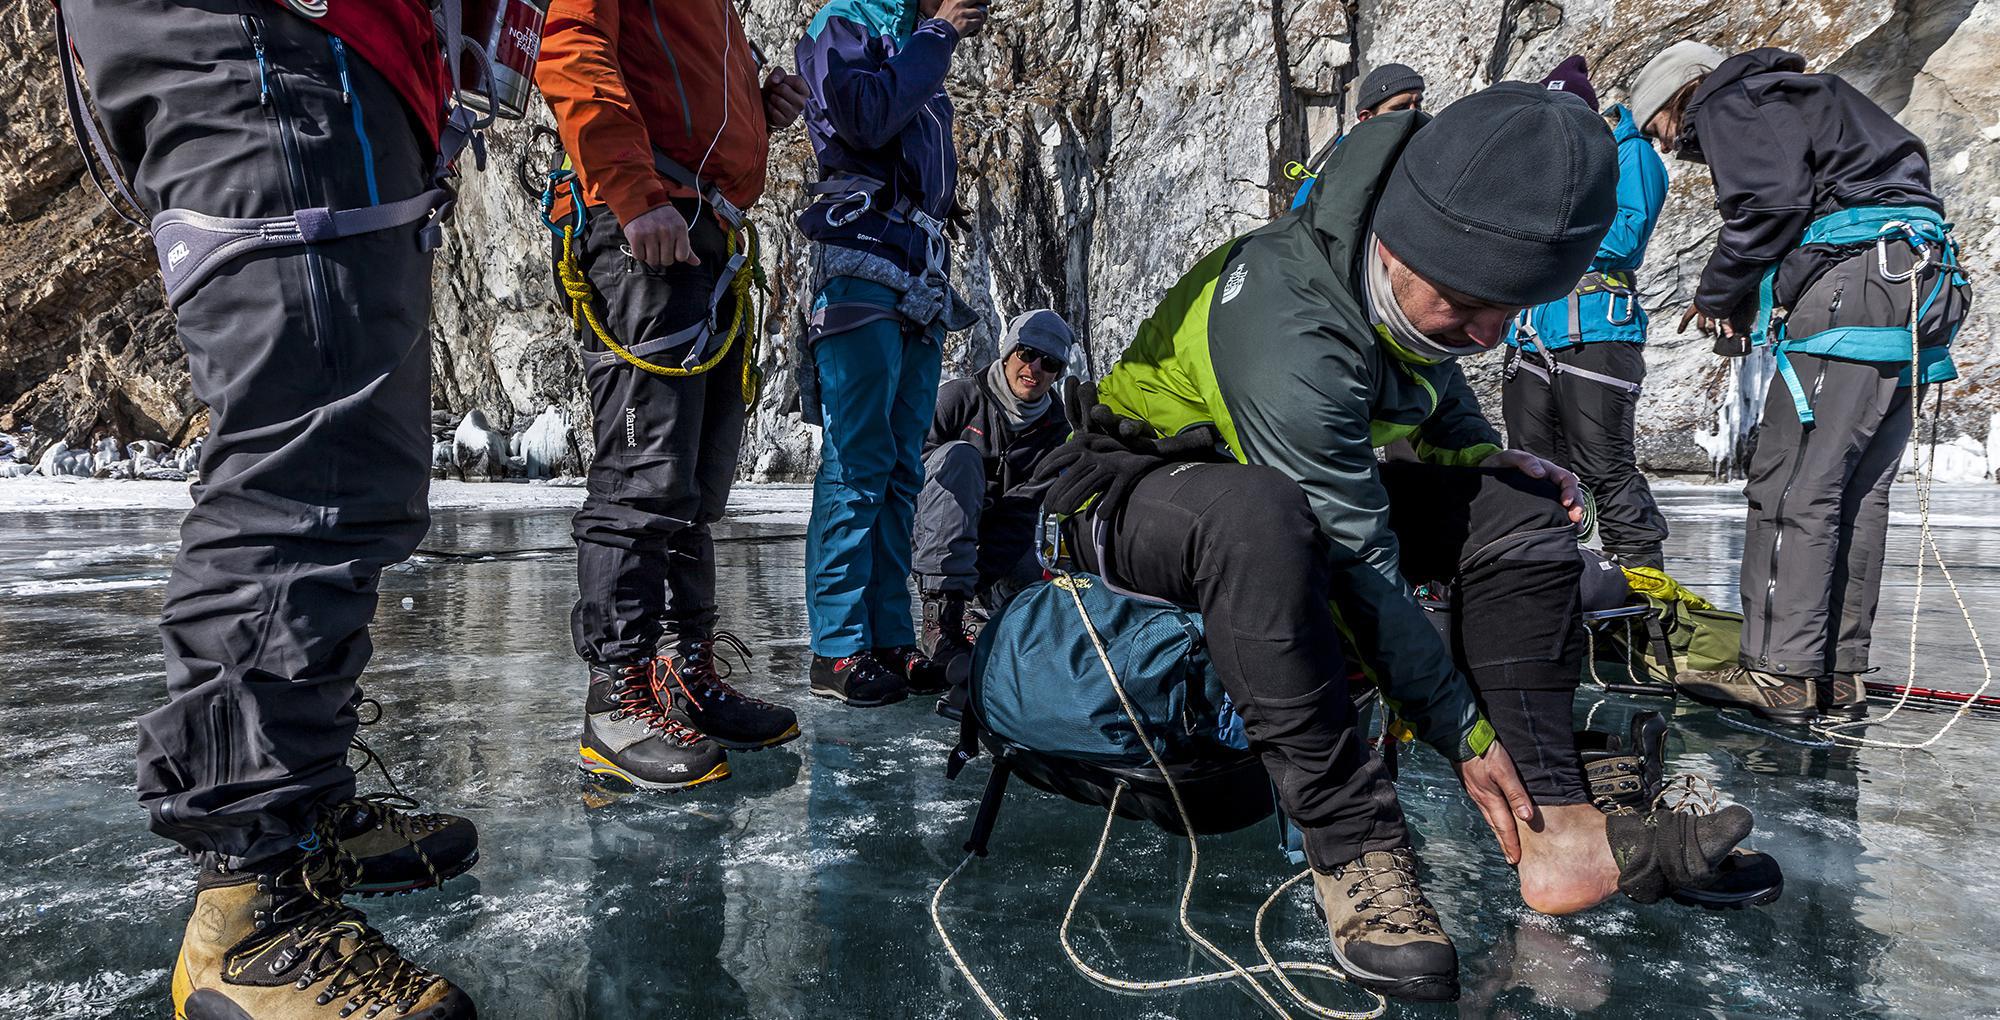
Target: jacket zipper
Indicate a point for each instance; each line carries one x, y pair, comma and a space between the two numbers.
1778, 518
272, 97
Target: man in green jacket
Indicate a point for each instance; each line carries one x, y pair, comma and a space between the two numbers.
1301, 349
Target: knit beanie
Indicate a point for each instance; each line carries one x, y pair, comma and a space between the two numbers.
1572, 76
1664, 75
1387, 81
1503, 196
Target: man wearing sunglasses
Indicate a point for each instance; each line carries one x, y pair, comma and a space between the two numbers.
975, 533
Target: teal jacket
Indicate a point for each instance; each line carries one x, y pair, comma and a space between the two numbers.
1601, 315
1267, 339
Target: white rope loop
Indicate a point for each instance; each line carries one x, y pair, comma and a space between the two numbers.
1237, 971
1926, 540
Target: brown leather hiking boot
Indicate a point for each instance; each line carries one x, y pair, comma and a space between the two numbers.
281, 946
1842, 697
1780, 699
397, 849
1386, 935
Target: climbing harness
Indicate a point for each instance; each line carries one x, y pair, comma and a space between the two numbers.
1236, 971
1929, 238
1926, 540
191, 246
733, 282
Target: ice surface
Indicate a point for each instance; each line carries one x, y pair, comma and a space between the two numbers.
797, 889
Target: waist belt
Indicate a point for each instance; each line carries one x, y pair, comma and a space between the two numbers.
856, 194
1928, 236
725, 210
1517, 360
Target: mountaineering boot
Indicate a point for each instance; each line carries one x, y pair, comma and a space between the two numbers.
1781, 699
395, 849
945, 637
279, 945
1386, 935
920, 673
1629, 771
1842, 697
711, 707
628, 734
858, 680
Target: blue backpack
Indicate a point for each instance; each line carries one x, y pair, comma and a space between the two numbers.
1040, 702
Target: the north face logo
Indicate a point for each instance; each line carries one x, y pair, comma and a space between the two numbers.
176, 254
1234, 285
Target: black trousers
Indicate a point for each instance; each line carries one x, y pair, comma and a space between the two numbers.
666, 448
1240, 544
314, 363
1588, 427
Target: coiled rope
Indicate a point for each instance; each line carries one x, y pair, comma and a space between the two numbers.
1926, 540
583, 309
1237, 971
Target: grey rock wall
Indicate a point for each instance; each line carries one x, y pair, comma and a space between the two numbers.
1106, 147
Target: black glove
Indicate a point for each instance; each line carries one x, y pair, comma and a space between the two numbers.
1090, 466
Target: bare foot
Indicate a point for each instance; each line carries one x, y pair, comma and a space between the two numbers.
1566, 862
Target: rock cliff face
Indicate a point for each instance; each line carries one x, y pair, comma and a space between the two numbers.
1106, 145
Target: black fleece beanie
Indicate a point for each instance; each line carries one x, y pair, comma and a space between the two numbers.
1503, 196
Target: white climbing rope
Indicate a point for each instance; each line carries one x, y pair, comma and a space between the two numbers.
1926, 544
1237, 971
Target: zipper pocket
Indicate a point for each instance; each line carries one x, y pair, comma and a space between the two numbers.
274, 98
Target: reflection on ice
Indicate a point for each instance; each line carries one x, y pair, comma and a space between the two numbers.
799, 887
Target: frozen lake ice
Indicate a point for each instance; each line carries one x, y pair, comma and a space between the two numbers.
798, 888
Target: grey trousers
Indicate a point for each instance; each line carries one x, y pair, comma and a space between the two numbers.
1819, 517
1588, 427
948, 552
666, 452
315, 366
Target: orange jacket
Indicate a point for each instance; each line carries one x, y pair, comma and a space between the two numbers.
624, 77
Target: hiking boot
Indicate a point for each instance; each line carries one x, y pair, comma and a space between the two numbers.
280, 945
920, 673
1625, 773
859, 680
628, 734
946, 637
397, 850
1842, 697
1780, 699
709, 705
1386, 935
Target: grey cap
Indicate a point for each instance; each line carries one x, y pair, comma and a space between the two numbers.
1386, 81
1503, 196
1664, 75
1042, 331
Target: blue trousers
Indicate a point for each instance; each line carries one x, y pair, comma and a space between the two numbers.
878, 390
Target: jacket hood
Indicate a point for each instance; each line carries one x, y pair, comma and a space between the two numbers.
1741, 66
894, 19
1350, 182
1625, 129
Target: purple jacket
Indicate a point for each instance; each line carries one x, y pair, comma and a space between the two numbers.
878, 110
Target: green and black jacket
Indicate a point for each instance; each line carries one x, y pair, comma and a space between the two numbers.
1268, 340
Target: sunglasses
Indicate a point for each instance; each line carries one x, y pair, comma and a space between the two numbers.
1049, 364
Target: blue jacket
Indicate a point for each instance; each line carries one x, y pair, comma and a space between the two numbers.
1642, 190
878, 109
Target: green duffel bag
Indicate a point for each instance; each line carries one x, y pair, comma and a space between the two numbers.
1683, 633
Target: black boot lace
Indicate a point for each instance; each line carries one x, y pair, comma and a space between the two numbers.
709, 672
1405, 910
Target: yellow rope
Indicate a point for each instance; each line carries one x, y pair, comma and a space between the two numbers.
583, 309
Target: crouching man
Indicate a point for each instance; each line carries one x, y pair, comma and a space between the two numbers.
1305, 346
975, 533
